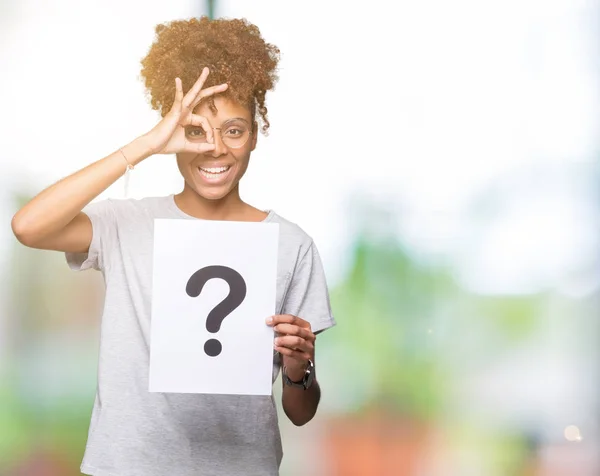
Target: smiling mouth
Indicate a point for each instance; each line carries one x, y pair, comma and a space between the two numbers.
212, 172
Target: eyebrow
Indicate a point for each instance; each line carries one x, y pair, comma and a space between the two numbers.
234, 119
227, 121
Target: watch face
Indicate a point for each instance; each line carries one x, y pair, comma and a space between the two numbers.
309, 380
309, 376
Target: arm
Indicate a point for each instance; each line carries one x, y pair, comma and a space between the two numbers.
300, 405
54, 219
296, 344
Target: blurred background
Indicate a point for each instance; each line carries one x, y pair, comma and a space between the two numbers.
445, 158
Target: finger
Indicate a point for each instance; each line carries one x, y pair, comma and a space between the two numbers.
290, 329
301, 357
197, 147
176, 108
195, 89
288, 319
208, 92
199, 121
294, 343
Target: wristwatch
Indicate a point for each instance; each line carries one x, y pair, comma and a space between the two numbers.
307, 380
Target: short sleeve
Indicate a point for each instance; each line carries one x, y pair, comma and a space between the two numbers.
308, 295
104, 235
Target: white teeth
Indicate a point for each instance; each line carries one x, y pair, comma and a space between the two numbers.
214, 170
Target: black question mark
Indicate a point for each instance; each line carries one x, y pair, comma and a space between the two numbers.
237, 293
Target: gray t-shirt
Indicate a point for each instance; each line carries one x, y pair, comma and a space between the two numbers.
137, 433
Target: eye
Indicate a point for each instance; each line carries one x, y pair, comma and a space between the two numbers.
234, 131
196, 132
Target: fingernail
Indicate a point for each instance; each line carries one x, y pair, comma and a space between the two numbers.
269, 320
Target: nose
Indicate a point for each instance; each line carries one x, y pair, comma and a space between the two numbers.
220, 148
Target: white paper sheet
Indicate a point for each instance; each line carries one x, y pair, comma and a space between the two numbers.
192, 261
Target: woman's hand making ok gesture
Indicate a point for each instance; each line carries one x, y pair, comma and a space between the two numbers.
168, 136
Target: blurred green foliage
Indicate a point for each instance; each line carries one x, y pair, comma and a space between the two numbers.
400, 319
386, 311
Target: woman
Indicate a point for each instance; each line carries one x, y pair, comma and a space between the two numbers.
208, 78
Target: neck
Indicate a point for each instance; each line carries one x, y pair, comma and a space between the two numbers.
231, 207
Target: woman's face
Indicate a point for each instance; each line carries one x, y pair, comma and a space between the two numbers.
214, 174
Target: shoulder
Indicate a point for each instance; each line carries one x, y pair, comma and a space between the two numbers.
292, 238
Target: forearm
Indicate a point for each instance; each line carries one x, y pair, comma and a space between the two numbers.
53, 208
301, 405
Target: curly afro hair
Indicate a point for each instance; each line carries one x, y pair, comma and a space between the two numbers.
233, 50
